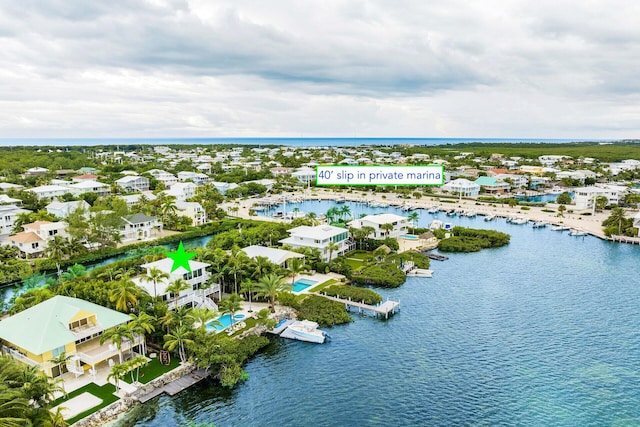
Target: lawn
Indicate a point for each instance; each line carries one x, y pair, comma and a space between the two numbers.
250, 322
104, 392
323, 285
153, 370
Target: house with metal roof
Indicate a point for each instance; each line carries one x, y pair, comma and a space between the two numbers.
399, 224
492, 184
139, 227
198, 295
320, 237
63, 325
274, 255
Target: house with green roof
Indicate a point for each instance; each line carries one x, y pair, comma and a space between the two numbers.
492, 185
39, 335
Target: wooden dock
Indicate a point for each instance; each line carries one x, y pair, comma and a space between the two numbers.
386, 308
176, 386
626, 239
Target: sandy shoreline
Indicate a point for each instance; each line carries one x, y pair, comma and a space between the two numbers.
591, 224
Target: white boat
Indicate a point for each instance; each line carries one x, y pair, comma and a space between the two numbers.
576, 232
470, 214
540, 224
489, 217
304, 330
433, 210
556, 190
519, 221
559, 228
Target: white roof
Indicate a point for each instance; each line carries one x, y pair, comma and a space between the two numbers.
383, 218
48, 188
4, 199
319, 232
88, 184
276, 256
166, 264
130, 178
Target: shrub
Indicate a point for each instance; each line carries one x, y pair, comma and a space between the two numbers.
366, 296
323, 311
384, 274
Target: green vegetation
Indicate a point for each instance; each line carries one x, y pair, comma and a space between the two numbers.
618, 224
384, 274
366, 296
321, 286
420, 260
153, 370
473, 240
323, 311
563, 199
104, 392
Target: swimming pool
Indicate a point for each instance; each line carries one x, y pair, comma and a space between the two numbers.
302, 284
408, 236
225, 320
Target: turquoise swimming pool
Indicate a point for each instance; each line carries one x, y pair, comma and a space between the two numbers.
408, 236
225, 320
302, 284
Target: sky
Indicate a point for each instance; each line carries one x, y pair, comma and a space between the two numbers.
329, 68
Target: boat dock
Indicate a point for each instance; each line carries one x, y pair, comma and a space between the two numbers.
385, 308
436, 257
176, 386
626, 239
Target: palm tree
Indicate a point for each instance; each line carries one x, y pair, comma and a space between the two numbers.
204, 316
332, 214
135, 364
57, 250
313, 217
234, 267
141, 325
179, 338
296, 265
332, 246
125, 294
616, 217
386, 228
346, 211
73, 272
21, 219
231, 305
358, 234
176, 287
269, 286
155, 275
179, 317
247, 286
413, 217
117, 372
261, 266
117, 335
14, 408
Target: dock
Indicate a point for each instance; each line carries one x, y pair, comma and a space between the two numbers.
385, 308
626, 239
176, 386
437, 257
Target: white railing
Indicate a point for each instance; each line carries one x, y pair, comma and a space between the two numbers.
86, 330
110, 350
16, 354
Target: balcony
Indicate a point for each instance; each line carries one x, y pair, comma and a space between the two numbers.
21, 357
92, 353
86, 330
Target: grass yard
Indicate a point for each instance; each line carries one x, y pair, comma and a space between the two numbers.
323, 285
250, 322
153, 370
104, 392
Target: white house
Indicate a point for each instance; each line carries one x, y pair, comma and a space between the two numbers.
196, 177
133, 183
139, 226
6, 200
464, 186
193, 210
304, 175
35, 237
49, 191
132, 199
584, 196
223, 187
275, 256
63, 209
182, 191
398, 222
199, 295
96, 187
8, 215
319, 237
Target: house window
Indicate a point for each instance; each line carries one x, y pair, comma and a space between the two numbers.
53, 232
57, 351
34, 245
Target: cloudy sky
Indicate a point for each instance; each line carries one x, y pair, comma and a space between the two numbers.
344, 68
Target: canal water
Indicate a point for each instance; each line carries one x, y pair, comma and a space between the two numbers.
544, 331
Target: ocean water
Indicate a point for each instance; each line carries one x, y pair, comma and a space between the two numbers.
544, 331
295, 142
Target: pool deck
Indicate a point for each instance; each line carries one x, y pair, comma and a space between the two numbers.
316, 277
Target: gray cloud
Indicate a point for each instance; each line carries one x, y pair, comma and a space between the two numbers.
337, 67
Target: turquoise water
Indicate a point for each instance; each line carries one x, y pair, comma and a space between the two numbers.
545, 331
302, 284
408, 236
547, 198
225, 321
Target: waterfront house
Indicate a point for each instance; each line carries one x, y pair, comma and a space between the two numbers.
139, 226
304, 175
462, 186
8, 215
492, 184
274, 255
198, 295
133, 183
63, 209
35, 238
320, 237
584, 196
63, 325
193, 210
398, 222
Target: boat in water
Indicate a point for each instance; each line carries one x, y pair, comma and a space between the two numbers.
540, 224
489, 217
304, 330
576, 232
